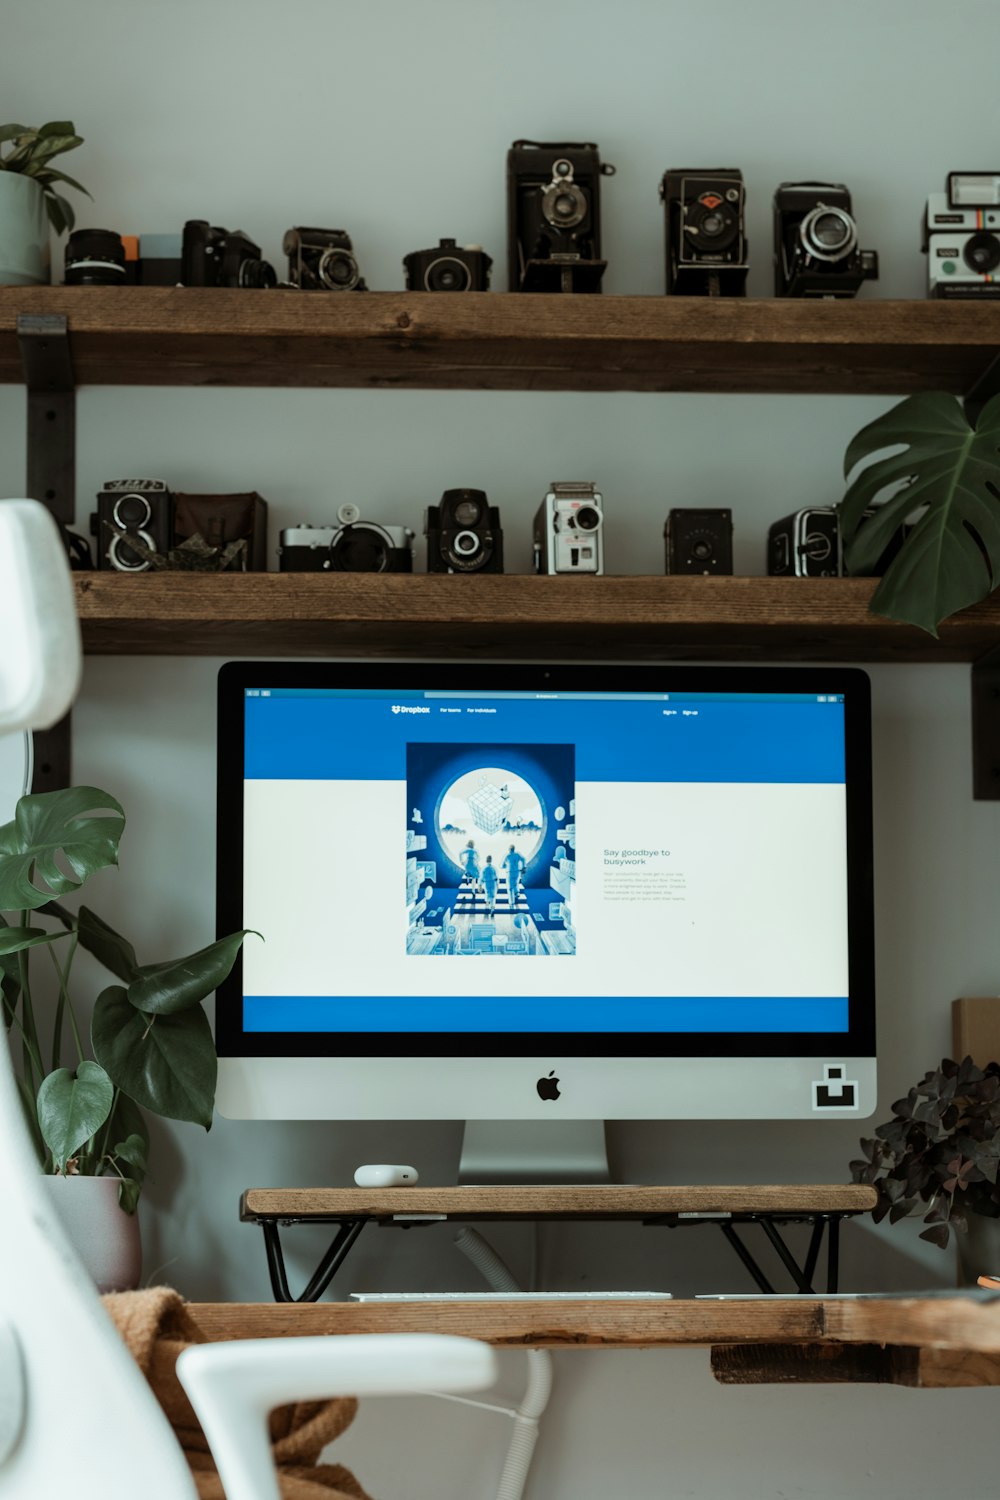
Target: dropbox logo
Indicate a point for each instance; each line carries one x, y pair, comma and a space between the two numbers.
408, 708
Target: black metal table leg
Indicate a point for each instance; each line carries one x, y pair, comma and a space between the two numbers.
787, 1259
744, 1254
833, 1256
815, 1244
347, 1232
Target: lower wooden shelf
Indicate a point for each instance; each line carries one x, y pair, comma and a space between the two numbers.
928, 1341
510, 616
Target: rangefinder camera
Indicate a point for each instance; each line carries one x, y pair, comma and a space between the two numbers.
132, 511
321, 260
816, 250
961, 236
569, 530
354, 546
554, 216
448, 268
463, 534
706, 238
808, 544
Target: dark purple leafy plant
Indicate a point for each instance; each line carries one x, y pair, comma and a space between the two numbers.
941, 1148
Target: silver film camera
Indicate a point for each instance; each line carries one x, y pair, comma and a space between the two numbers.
569, 530
355, 546
961, 237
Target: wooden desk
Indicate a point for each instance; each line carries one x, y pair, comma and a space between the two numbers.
943, 1341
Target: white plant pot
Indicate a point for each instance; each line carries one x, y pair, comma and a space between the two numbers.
103, 1235
979, 1250
24, 232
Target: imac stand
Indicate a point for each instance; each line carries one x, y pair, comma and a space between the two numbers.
533, 1152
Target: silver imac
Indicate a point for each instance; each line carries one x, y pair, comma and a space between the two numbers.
663, 874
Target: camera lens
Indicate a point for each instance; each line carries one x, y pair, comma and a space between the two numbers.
359, 549
562, 168
447, 275
467, 543
828, 233
338, 271
467, 512
95, 257
701, 550
564, 205
982, 253
125, 559
131, 510
588, 518
256, 273
713, 224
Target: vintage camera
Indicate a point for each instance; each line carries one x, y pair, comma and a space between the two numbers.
463, 534
221, 520
816, 242
554, 217
322, 260
961, 237
699, 541
355, 546
222, 257
132, 510
706, 238
568, 534
449, 268
808, 544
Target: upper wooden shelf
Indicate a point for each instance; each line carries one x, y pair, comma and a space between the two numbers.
510, 616
492, 341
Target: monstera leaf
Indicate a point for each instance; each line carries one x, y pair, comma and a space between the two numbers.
72, 1107
165, 1063
54, 843
951, 558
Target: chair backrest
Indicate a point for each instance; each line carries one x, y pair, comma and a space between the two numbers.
81, 1421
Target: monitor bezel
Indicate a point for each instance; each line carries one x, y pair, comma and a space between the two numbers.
482, 677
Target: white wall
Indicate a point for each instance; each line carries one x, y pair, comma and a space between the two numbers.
392, 120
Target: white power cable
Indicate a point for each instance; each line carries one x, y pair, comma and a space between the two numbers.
539, 1387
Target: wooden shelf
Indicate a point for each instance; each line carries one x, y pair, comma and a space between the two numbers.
510, 616
915, 1341
489, 341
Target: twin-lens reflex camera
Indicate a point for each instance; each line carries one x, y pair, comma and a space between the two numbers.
139, 522
463, 534
961, 236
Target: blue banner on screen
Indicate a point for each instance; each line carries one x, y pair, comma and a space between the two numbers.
615, 863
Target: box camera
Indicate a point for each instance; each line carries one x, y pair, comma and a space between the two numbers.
322, 260
706, 238
808, 544
463, 534
568, 532
132, 510
449, 268
816, 242
221, 520
961, 237
554, 217
355, 546
222, 257
699, 541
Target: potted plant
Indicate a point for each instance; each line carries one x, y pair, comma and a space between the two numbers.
149, 1045
946, 484
940, 1152
29, 202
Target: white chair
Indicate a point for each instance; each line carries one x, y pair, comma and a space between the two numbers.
76, 1416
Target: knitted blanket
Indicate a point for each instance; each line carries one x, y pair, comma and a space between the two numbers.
156, 1326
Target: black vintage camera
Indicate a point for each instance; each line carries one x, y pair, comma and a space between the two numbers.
322, 260
355, 546
706, 238
554, 217
816, 242
808, 544
699, 541
463, 534
128, 510
222, 257
449, 268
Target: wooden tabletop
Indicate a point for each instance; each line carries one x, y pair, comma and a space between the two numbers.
600, 1202
920, 1340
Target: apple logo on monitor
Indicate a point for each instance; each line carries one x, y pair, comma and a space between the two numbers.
548, 1088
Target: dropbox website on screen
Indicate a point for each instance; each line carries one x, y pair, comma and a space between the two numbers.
613, 862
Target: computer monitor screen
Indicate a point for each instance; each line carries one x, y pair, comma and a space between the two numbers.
663, 874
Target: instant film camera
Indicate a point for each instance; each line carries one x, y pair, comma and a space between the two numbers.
961, 237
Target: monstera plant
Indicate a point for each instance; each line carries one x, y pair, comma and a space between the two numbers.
946, 484
150, 1045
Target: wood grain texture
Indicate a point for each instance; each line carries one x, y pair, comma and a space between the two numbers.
514, 615
823, 1364
490, 341
963, 1326
554, 1202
